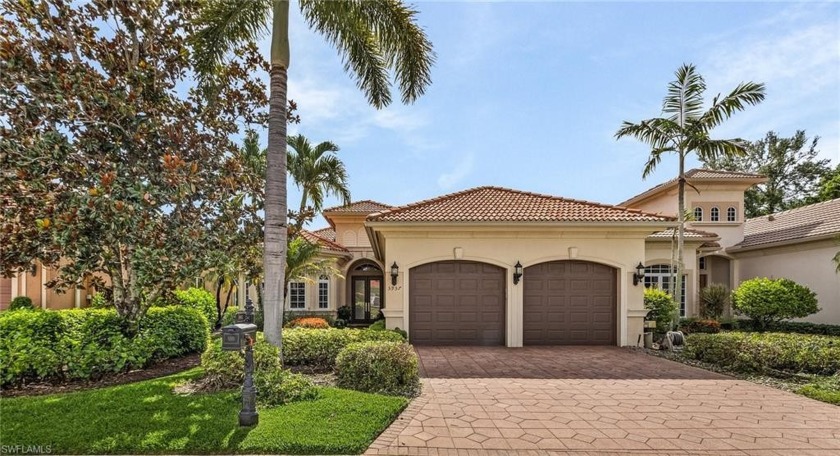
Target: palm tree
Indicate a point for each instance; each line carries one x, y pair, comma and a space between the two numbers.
374, 39
685, 129
317, 172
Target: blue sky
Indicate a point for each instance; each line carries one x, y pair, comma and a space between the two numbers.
529, 95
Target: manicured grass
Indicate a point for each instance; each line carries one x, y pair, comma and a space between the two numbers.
826, 389
148, 417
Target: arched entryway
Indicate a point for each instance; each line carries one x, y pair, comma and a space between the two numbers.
569, 302
365, 283
456, 303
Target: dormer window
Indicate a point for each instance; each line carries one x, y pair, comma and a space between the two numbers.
715, 214
731, 214
698, 214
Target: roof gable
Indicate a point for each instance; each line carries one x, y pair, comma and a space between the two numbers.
802, 223
359, 207
322, 242
696, 175
496, 204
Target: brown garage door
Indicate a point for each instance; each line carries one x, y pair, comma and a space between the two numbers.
569, 303
457, 303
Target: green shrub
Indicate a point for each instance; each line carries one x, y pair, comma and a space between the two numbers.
319, 347
201, 300
278, 387
767, 301
326, 315
763, 352
378, 325
99, 301
713, 301
662, 308
379, 367
82, 344
21, 303
696, 325
344, 312
226, 370
401, 332
798, 327
339, 323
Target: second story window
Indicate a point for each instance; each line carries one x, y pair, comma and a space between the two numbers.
731, 214
715, 215
698, 214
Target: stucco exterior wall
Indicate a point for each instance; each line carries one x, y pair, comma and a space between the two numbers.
503, 247
806, 263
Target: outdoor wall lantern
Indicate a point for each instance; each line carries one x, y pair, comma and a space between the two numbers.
517, 272
395, 272
639, 274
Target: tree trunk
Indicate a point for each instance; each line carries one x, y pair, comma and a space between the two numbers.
275, 189
678, 280
219, 301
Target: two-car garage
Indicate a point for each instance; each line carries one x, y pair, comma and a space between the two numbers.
463, 303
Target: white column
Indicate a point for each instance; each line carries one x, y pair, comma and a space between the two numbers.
43, 287
14, 286
78, 297
514, 326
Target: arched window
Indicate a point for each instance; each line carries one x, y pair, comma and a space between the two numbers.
731, 214
715, 217
323, 292
698, 214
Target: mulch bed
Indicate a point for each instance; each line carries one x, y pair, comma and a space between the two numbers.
162, 369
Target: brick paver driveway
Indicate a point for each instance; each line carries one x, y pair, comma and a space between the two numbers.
588, 400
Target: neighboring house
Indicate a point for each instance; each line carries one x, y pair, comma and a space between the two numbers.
800, 245
33, 285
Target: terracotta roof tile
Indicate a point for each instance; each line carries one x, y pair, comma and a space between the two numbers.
495, 204
362, 207
815, 220
323, 242
698, 174
326, 233
690, 233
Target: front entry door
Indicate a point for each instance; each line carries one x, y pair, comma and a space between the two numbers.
367, 299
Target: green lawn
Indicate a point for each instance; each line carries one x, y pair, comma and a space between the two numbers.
147, 417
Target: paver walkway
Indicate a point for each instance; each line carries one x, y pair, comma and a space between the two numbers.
581, 400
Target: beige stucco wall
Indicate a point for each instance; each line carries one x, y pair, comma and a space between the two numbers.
621, 248
807, 263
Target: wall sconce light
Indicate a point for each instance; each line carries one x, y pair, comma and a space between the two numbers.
395, 272
639, 274
517, 272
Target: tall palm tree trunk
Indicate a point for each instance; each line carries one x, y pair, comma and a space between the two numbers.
678, 280
275, 188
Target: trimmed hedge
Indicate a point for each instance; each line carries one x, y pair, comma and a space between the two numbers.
767, 301
320, 347
21, 303
798, 327
379, 367
82, 344
201, 300
760, 352
275, 386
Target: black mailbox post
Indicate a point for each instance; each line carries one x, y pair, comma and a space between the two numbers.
237, 337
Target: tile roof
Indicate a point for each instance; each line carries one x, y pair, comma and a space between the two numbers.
326, 233
323, 242
690, 233
815, 220
698, 174
361, 207
495, 204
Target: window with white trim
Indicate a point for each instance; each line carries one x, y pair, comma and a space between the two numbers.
698, 214
731, 214
323, 292
715, 217
662, 276
297, 295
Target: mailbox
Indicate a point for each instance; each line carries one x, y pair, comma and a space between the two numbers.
235, 337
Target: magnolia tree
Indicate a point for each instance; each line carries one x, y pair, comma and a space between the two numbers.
114, 163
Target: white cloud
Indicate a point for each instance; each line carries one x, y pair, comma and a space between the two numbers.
462, 169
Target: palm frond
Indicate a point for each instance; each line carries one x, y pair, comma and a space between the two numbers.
714, 149
342, 24
747, 93
223, 24
324, 148
685, 95
836, 260
654, 132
